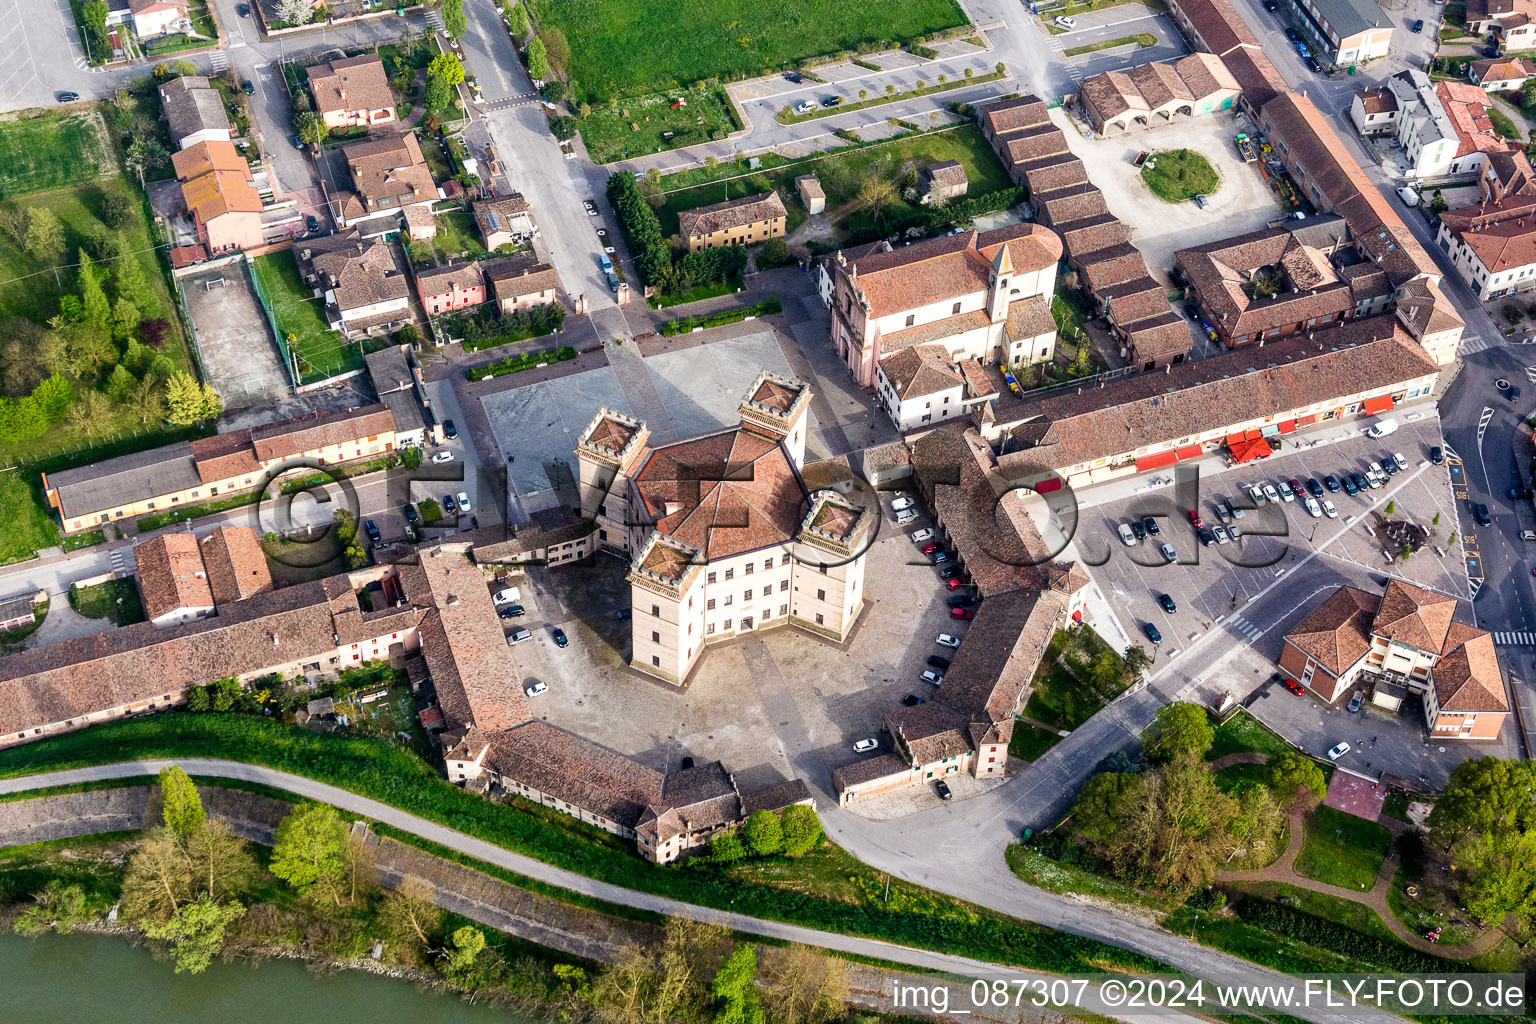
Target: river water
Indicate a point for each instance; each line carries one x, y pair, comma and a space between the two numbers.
102, 979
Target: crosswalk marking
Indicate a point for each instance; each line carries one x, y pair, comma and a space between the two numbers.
1515, 637
1450, 453
218, 60
1245, 627
1473, 343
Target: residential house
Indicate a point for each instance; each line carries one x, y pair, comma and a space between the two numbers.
172, 580
352, 92
743, 221
504, 221
1443, 127
714, 556
389, 175
1374, 110
194, 110
17, 612
361, 280
450, 287
943, 181
1341, 32
1501, 74
159, 17
1407, 641
396, 376
1264, 285
811, 194
976, 293
1156, 93
920, 385
1512, 23
216, 187
1494, 259
521, 282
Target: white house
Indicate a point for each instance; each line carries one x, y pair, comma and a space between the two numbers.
159, 17
1493, 260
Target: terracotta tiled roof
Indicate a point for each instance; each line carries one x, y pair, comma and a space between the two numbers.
1159, 337
947, 268
1423, 310
1414, 616
1255, 75
522, 274
1011, 115
920, 370
929, 732
1073, 203
495, 215
1467, 676
171, 574
1378, 100
389, 171
946, 172
1138, 300
1503, 246
1220, 27
441, 280
1034, 143
236, 565
935, 330
733, 213
850, 775
990, 674
192, 105
1106, 268
1060, 170
319, 430
577, 771
776, 798
1092, 233
1030, 318
1338, 633
353, 83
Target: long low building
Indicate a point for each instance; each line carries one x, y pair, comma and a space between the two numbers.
189, 472
1158, 93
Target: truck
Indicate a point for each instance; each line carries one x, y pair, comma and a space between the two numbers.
1246, 149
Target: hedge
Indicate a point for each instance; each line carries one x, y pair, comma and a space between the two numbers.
1336, 938
686, 324
526, 361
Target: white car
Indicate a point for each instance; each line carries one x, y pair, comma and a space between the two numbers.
1273, 496
926, 533
905, 516
1286, 494
1329, 510
902, 502
510, 595
930, 676
1170, 554
1402, 463
1126, 536
865, 746
1256, 493
442, 457
1408, 196
947, 640
535, 689
804, 107
463, 501
1337, 752
1062, 21
1313, 508
518, 637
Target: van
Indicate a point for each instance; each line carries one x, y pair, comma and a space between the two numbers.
1382, 428
518, 637
1528, 535
510, 595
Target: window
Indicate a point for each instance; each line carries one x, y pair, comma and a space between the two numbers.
709, 605
911, 319
767, 564
730, 573
655, 661
726, 625
728, 600
709, 628
602, 510
655, 637
783, 585
785, 559
656, 610
783, 609
710, 578
748, 570
819, 619
821, 595
747, 596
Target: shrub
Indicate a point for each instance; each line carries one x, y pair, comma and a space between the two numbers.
1325, 934
925, 52
684, 325
763, 833
514, 364
642, 231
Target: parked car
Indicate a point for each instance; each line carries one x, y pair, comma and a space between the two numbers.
1126, 536
1312, 64
1222, 537
1170, 554
911, 700
1355, 702
247, 88
947, 640
1437, 455
1313, 508
1518, 493
518, 636
66, 97
1336, 752
930, 676
1152, 528
905, 516
508, 595
561, 640
832, 101
510, 611
1329, 510
961, 600
1296, 487
794, 76
371, 528
940, 557
1152, 633
864, 746
1390, 467
1271, 494
1256, 495
931, 547
1314, 488
1223, 513
804, 107
442, 457
244, 10
1269, 5
940, 663
449, 506
1417, 26
1194, 518
942, 788
1138, 530
449, 430
957, 583
1062, 21
1235, 532
1166, 600
1360, 482
1399, 461
926, 533
1207, 538
1332, 483
535, 689
311, 223
411, 515
463, 501
961, 613
1294, 687
1381, 428
900, 502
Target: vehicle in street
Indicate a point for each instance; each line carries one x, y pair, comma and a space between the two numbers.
536, 688
1338, 751
1437, 455
1152, 633
940, 557
911, 700
804, 107
1313, 508
66, 97
561, 640
832, 101
1314, 488
926, 533
518, 636
463, 501
311, 224
247, 88
961, 613
1355, 702
1152, 528
1062, 21
411, 515
1126, 536
1417, 26
1382, 428
1166, 600
1408, 196
942, 788
1194, 518
1312, 64
930, 676
1332, 483
371, 528
1269, 5
901, 501
1222, 537
507, 595
1514, 394
442, 457
1168, 552
1480, 513
511, 611
244, 10
947, 640
449, 430
449, 506
1329, 510
949, 572
864, 746
296, 142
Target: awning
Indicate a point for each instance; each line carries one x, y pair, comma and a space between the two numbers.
1247, 451
1307, 421
1190, 452
1234, 439
1048, 485
1373, 405
1270, 431
1287, 426
1156, 461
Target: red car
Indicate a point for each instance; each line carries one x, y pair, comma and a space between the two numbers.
930, 547
958, 582
1293, 686
960, 613
1194, 518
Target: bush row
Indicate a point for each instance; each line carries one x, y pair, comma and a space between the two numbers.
1332, 936
683, 325
649, 249
526, 361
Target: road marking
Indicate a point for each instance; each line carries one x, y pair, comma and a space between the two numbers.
1530, 374
1515, 638
1482, 423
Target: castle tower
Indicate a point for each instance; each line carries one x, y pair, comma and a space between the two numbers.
829, 565
999, 280
609, 450
775, 407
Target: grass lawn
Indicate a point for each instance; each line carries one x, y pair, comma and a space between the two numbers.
300, 317
1342, 850
1031, 741
1064, 693
299, 561
84, 540
841, 172
117, 600
58, 149
457, 236
1244, 733
184, 513
1233, 776
1141, 39
638, 125
1176, 175
637, 47
1034, 868
1433, 908
28, 526
1356, 916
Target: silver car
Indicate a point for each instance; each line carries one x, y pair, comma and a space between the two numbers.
1169, 553
1274, 498
1313, 508
1126, 536
1256, 493
1222, 536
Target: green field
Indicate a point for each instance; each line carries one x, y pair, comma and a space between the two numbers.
54, 150
649, 45
1342, 850
28, 527
300, 317
636, 126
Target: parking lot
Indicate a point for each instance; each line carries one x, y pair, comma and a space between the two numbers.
769, 705
1210, 583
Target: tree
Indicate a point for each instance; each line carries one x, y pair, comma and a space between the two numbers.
537, 58
554, 91
454, 22
890, 90
121, 384
1502, 866
93, 19
182, 808
970, 73
803, 986
519, 23
1290, 773
735, 988
132, 284
294, 12
1488, 795
763, 833
196, 932
1105, 801
410, 919
1136, 660
876, 193
307, 848
1177, 728
311, 127
143, 152
116, 211
96, 312
58, 907
147, 400
53, 396
557, 51
563, 127
458, 957
447, 67
727, 847
189, 402
802, 830
45, 235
